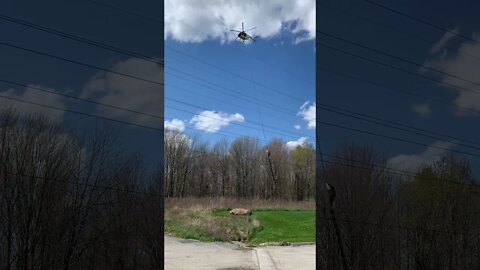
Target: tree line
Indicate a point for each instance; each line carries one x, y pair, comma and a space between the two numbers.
242, 168
74, 201
386, 219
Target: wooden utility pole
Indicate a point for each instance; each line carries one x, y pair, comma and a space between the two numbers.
331, 193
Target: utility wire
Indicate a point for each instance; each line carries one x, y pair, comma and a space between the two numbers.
81, 39
126, 11
400, 69
119, 50
436, 26
390, 27
398, 58
129, 76
273, 90
228, 134
36, 88
233, 123
393, 89
224, 101
232, 92
295, 135
395, 138
223, 87
289, 73
138, 15
394, 125
80, 113
120, 73
78, 62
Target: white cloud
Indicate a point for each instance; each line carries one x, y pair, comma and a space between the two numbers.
211, 121
300, 141
128, 92
33, 95
464, 63
308, 114
174, 124
196, 21
411, 163
440, 45
297, 126
424, 110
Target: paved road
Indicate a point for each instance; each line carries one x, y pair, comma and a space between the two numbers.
182, 254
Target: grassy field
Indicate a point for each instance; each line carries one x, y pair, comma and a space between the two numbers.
279, 225
264, 225
288, 225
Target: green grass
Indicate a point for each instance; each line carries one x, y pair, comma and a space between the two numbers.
264, 225
284, 225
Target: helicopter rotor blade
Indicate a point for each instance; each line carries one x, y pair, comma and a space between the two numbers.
250, 29
235, 30
242, 26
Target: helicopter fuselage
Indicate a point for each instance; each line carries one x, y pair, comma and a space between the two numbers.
244, 36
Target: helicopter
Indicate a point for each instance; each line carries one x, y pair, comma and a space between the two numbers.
242, 35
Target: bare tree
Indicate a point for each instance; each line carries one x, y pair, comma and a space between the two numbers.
244, 152
303, 162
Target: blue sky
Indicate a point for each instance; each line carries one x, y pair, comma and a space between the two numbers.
102, 24
377, 28
217, 87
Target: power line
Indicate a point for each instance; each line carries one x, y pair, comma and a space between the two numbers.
229, 134
390, 27
130, 53
232, 92
78, 62
232, 73
253, 56
138, 15
124, 74
126, 11
394, 138
295, 135
79, 98
224, 101
422, 21
399, 69
80, 113
398, 58
439, 101
203, 80
81, 39
391, 124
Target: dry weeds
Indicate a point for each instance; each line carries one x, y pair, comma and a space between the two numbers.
199, 222
228, 202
